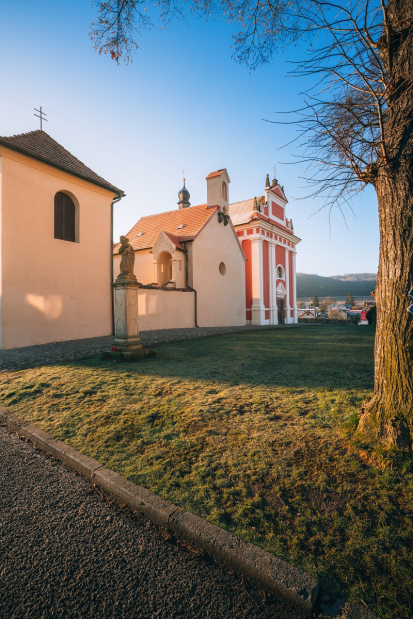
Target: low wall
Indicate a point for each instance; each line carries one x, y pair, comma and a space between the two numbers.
166, 308
328, 321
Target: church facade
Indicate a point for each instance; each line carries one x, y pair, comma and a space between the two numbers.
55, 244
270, 246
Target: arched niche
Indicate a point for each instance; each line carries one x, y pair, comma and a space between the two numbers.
164, 262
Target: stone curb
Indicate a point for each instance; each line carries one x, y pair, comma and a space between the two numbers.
271, 573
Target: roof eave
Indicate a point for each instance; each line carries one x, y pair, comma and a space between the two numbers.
27, 153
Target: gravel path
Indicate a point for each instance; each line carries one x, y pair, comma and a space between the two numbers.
74, 350
66, 553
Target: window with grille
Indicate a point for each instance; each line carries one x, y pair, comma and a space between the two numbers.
64, 218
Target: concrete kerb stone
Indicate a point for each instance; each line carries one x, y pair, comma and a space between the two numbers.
265, 569
13, 422
140, 499
80, 463
271, 573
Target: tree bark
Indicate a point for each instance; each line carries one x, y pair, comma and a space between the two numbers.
389, 414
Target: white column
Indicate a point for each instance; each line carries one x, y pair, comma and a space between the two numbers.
295, 288
287, 285
257, 307
273, 284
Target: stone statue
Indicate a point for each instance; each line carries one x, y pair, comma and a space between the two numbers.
128, 260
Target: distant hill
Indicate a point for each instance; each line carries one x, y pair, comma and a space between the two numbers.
309, 285
355, 277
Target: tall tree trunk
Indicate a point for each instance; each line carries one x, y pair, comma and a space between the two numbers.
389, 414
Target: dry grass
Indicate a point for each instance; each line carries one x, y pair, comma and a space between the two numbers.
253, 432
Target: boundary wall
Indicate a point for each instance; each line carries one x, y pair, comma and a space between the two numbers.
165, 308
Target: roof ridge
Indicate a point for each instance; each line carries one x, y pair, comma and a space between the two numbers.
177, 210
246, 200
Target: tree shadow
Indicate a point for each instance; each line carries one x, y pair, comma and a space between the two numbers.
323, 357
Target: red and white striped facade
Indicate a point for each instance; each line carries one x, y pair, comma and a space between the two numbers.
269, 243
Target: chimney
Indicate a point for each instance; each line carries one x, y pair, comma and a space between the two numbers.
217, 190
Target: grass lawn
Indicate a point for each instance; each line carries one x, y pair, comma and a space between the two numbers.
252, 431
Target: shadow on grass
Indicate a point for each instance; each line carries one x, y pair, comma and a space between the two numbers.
326, 357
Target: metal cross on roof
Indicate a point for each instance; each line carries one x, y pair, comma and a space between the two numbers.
40, 115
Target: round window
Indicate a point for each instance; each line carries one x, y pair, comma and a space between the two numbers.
222, 268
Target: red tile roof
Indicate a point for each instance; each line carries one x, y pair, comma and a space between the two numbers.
192, 219
40, 146
175, 240
217, 173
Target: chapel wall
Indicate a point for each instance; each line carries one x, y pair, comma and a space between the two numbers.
221, 298
53, 290
166, 309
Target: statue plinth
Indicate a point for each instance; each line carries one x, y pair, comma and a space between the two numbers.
126, 278
127, 341
126, 314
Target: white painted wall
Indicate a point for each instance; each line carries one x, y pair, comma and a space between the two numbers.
52, 290
166, 309
221, 298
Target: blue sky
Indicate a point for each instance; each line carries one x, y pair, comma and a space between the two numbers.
183, 104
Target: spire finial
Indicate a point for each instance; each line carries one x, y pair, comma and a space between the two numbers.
255, 207
267, 181
274, 170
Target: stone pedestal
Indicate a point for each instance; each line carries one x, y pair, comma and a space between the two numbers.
127, 342
126, 315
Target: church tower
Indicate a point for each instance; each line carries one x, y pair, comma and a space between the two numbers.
184, 196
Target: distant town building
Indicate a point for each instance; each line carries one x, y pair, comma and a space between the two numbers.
309, 312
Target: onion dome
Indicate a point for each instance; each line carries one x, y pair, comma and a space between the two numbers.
184, 196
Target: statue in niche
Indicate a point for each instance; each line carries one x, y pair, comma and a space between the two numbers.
128, 260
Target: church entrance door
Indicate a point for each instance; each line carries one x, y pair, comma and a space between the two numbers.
280, 305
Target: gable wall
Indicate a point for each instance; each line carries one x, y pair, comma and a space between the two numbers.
220, 298
52, 290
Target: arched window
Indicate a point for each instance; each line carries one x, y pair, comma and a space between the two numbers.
280, 272
64, 217
224, 191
